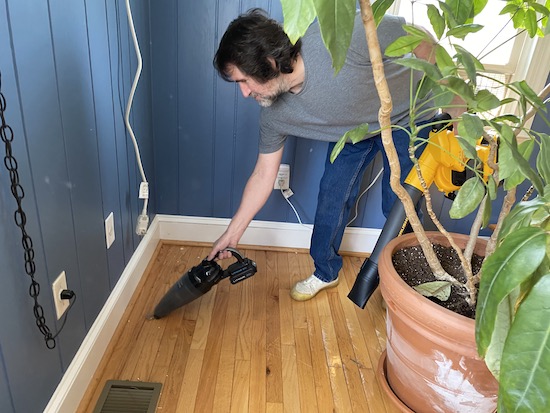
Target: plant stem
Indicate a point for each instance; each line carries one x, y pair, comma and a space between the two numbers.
384, 119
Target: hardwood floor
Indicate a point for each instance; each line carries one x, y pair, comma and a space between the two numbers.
249, 347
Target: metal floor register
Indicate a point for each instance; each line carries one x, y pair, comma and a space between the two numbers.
128, 397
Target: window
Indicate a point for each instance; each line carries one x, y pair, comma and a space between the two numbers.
519, 59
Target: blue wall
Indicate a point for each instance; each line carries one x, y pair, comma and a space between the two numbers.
66, 67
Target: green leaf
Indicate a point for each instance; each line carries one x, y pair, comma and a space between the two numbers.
543, 158
524, 384
506, 163
336, 20
354, 135
492, 188
506, 117
425, 86
539, 8
416, 32
444, 60
469, 63
473, 127
520, 216
521, 156
509, 9
468, 146
463, 30
438, 289
526, 90
442, 97
379, 9
503, 321
448, 14
525, 149
530, 22
298, 16
513, 261
402, 46
338, 148
421, 65
485, 100
357, 134
437, 21
459, 87
461, 9
468, 198
479, 5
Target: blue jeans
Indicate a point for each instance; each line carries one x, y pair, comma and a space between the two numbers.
338, 193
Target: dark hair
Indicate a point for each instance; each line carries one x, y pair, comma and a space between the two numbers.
249, 41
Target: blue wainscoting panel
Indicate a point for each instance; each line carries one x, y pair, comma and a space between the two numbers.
164, 64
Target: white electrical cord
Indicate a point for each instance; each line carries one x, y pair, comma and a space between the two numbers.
286, 196
363, 193
143, 219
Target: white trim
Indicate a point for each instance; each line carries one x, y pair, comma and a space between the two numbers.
261, 233
78, 376
76, 379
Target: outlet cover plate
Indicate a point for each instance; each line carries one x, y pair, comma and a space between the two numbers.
59, 285
110, 230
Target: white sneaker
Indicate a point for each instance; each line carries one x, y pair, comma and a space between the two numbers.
308, 288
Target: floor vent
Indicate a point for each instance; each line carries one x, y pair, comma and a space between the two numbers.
128, 397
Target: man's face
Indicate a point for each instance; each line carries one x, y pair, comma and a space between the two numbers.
264, 93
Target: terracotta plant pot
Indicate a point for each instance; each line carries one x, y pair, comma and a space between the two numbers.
431, 363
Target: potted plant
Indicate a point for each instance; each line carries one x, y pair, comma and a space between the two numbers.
511, 292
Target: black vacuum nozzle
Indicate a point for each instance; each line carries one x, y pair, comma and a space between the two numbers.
200, 279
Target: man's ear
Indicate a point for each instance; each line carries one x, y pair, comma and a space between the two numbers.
273, 63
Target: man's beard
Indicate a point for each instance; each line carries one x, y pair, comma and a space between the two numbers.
267, 100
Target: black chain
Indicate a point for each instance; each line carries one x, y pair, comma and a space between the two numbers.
10, 162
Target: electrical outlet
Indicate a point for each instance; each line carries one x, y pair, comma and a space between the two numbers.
283, 177
110, 230
59, 285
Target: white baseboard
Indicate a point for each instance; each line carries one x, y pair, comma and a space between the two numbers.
76, 379
262, 233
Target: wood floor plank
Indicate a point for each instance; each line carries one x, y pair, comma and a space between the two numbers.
297, 267
258, 384
172, 380
248, 347
306, 379
226, 367
318, 359
274, 374
241, 383
244, 336
209, 371
274, 407
350, 364
190, 383
291, 393
351, 317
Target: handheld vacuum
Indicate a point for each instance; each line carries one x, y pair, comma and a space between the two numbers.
200, 279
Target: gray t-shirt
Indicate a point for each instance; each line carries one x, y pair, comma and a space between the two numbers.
328, 106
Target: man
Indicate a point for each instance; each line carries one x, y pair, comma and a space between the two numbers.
300, 96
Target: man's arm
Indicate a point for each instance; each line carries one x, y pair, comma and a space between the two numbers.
257, 190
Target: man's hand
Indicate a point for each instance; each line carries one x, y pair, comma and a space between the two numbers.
218, 249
